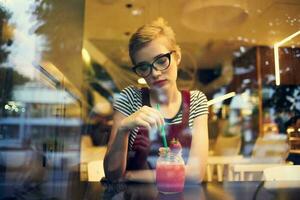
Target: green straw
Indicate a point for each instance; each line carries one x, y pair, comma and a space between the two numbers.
162, 130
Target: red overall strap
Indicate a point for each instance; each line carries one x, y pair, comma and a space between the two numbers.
186, 101
181, 131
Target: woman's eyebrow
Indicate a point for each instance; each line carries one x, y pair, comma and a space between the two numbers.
159, 55
153, 59
143, 63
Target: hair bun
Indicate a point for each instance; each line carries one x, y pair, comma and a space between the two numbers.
159, 22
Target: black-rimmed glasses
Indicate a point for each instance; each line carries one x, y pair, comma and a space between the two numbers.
160, 63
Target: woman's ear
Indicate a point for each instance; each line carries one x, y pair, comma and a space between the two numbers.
178, 56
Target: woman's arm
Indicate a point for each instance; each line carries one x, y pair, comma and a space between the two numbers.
144, 176
116, 155
195, 168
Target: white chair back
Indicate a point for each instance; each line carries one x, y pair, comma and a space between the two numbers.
95, 171
282, 173
272, 148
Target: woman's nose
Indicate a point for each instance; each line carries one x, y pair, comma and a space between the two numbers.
155, 72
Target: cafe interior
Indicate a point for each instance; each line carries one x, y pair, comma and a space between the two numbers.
63, 63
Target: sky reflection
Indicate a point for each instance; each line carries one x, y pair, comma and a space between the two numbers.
27, 46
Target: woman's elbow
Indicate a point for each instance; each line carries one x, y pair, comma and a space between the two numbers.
195, 174
195, 179
112, 174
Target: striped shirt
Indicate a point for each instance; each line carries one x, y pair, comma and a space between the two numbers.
130, 100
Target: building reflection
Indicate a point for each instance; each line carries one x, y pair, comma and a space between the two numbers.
41, 113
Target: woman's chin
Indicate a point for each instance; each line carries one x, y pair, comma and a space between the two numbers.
160, 88
161, 93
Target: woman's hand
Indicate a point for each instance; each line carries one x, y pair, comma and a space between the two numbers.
146, 117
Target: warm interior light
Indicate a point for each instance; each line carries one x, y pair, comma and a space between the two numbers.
220, 98
276, 55
276, 62
142, 81
85, 56
290, 130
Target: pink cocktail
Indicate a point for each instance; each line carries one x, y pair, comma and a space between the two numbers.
170, 177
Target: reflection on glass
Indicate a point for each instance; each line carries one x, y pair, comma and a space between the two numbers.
26, 46
40, 114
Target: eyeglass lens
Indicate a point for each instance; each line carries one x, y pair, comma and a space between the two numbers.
161, 63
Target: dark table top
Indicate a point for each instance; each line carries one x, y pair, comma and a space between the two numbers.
222, 191
134, 191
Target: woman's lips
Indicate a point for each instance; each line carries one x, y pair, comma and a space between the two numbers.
159, 82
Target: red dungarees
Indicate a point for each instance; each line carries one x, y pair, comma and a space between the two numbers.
180, 131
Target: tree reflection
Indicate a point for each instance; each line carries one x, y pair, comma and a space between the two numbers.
4, 41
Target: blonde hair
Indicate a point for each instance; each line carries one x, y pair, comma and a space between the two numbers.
148, 33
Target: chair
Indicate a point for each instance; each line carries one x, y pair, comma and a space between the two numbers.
227, 145
282, 173
226, 150
269, 151
282, 177
95, 171
272, 148
88, 154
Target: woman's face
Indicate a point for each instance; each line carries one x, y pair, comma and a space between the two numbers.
160, 80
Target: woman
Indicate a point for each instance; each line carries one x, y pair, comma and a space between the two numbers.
140, 113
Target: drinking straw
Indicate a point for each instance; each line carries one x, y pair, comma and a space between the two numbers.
162, 130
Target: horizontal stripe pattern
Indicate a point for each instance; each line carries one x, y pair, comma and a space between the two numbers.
130, 100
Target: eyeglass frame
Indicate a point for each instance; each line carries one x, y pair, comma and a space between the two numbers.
151, 65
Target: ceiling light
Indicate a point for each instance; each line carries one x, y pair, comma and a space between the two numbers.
214, 15
137, 11
85, 56
142, 81
242, 49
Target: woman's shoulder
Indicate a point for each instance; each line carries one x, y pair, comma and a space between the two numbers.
131, 91
197, 94
131, 94
198, 103
128, 100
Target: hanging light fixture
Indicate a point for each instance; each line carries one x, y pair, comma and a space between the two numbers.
214, 15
